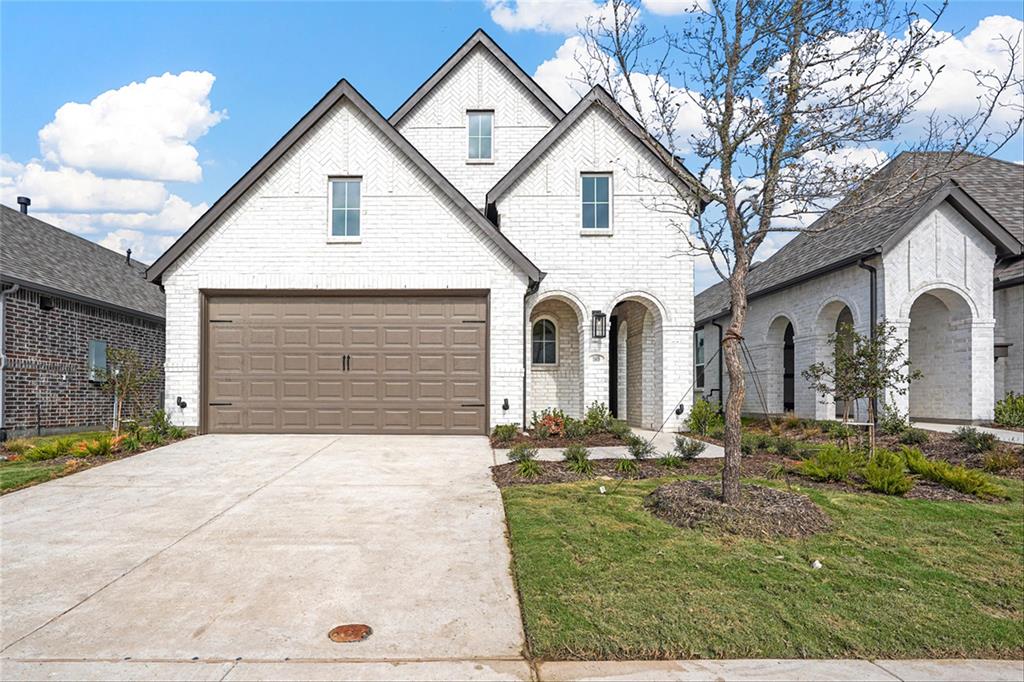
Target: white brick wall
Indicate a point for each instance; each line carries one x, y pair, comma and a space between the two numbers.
644, 258
559, 385
943, 255
438, 124
275, 237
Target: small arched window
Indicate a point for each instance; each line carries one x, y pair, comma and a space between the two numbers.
544, 343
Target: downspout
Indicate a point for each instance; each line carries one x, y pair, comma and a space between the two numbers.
3, 356
531, 289
721, 334
873, 303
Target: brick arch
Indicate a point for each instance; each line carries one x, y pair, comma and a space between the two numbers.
646, 299
829, 311
954, 297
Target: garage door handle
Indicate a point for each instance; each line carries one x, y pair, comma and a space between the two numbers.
344, 362
219, 404
473, 405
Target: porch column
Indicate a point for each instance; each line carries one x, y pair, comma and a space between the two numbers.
902, 333
982, 375
810, 349
595, 366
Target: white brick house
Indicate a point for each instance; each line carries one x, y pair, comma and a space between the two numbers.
943, 266
475, 257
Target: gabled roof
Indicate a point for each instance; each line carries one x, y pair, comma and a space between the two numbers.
597, 96
481, 39
343, 90
40, 256
987, 192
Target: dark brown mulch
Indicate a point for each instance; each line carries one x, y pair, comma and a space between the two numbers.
761, 512
946, 447
922, 490
594, 440
505, 475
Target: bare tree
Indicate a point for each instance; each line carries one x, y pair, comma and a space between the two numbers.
788, 91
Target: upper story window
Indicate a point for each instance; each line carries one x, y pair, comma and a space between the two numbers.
481, 135
345, 201
698, 357
596, 201
544, 344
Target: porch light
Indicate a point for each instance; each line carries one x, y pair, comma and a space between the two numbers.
599, 324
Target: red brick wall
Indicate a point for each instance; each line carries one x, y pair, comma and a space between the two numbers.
46, 381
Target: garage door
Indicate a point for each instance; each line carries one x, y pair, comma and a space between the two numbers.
346, 364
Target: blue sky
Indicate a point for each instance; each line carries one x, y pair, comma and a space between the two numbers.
270, 61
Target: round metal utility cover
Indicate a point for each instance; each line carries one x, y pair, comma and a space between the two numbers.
353, 632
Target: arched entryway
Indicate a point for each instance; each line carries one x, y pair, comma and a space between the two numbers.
940, 347
835, 318
636, 371
555, 356
778, 377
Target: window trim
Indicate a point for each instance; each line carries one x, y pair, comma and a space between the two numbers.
343, 239
699, 378
554, 331
597, 231
481, 160
97, 362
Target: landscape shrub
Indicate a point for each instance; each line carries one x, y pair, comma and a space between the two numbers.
704, 418
151, 437
177, 432
780, 445
997, 461
884, 474
575, 429
626, 466
958, 478
549, 422
160, 423
18, 446
689, 448
620, 428
791, 421
751, 443
1010, 410
831, 463
892, 422
717, 433
812, 431
130, 443
912, 436
101, 447
975, 440
525, 457
505, 433
639, 448
839, 431
52, 449
577, 458
671, 460
598, 418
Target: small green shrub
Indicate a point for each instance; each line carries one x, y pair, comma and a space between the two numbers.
177, 432
101, 447
549, 421
791, 421
522, 452
505, 433
626, 466
717, 433
160, 422
577, 458
785, 447
997, 461
839, 431
703, 418
18, 446
52, 449
1010, 410
619, 428
975, 440
958, 478
131, 443
831, 463
598, 418
884, 474
689, 448
151, 437
912, 436
892, 422
639, 448
751, 443
575, 429
671, 461
528, 468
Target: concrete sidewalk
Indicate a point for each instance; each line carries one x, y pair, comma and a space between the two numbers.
663, 441
1005, 435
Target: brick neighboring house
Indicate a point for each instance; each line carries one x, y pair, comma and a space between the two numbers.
942, 264
64, 301
478, 255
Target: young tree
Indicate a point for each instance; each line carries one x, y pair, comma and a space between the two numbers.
866, 368
125, 378
790, 94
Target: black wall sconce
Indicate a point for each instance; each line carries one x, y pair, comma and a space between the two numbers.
504, 405
599, 324
181, 403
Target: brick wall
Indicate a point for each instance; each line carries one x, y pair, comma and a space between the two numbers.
560, 385
1009, 310
46, 380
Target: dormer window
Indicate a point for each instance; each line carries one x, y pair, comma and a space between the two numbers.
481, 135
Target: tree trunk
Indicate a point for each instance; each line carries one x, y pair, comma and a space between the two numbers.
732, 351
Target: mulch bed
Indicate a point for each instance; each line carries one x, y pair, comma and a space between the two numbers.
761, 512
595, 440
505, 475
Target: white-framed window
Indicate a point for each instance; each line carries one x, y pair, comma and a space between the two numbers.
481, 135
545, 345
345, 215
97, 360
698, 357
596, 196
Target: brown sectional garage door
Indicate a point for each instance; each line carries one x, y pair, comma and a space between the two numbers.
346, 364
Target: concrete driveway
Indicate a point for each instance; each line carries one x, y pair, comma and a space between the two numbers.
235, 555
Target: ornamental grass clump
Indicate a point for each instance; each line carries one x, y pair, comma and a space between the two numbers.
831, 464
885, 474
525, 457
959, 478
505, 433
577, 458
688, 448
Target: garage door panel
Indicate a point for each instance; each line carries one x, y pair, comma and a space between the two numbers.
416, 364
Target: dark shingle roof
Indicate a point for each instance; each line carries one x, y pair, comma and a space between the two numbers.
996, 186
36, 253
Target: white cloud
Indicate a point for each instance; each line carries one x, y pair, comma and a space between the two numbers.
674, 7
68, 189
561, 76
142, 130
552, 16
145, 247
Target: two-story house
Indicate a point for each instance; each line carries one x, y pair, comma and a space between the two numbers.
479, 255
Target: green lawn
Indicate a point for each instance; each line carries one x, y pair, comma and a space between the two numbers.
18, 474
601, 578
